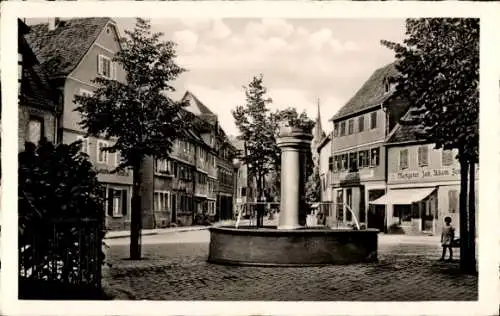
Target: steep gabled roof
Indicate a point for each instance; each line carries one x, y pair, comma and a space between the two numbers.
372, 93
36, 90
61, 50
404, 133
198, 108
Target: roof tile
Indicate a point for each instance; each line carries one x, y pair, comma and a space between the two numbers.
62, 49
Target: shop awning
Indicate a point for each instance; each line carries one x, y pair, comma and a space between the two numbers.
403, 196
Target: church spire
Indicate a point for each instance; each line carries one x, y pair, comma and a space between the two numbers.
318, 130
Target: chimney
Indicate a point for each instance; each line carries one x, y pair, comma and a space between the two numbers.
53, 22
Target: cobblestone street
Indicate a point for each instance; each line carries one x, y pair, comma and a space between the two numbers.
178, 271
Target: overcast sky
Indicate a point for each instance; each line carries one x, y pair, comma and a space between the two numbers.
301, 59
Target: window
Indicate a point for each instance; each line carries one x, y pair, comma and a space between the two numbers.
102, 156
336, 129
163, 166
342, 128
243, 191
361, 123
340, 205
117, 202
353, 162
211, 208
161, 201
35, 130
403, 159
106, 67
345, 162
84, 147
374, 157
330, 163
373, 120
423, 156
447, 157
351, 126
364, 159
338, 164
453, 201
117, 159
403, 212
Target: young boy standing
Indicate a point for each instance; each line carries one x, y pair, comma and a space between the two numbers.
447, 237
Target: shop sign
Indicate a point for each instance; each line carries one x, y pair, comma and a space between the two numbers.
427, 174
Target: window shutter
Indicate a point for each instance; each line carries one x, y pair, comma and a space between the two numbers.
110, 202
124, 202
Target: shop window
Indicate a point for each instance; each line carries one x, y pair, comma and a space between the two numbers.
447, 157
374, 157
373, 120
161, 201
423, 156
453, 201
361, 123
403, 159
342, 128
348, 214
350, 126
403, 212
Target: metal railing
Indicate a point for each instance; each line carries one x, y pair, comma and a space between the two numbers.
328, 209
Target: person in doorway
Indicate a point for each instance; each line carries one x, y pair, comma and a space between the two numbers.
447, 237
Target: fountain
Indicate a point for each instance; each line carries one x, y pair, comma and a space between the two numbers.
291, 243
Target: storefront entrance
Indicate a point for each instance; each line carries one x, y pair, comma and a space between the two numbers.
376, 213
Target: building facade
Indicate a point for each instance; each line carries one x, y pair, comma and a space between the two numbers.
38, 108
325, 173
358, 158
76, 51
175, 190
423, 184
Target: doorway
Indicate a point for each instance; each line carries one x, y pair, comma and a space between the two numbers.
376, 213
174, 208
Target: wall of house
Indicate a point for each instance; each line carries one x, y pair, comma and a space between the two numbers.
434, 171
325, 173
445, 177
79, 81
25, 113
367, 136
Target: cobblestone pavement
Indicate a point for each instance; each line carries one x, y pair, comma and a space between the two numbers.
179, 271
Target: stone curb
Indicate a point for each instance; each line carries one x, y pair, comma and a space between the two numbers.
159, 232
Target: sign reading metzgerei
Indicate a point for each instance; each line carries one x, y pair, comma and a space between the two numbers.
427, 174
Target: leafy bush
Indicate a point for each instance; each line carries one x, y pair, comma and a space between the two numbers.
61, 214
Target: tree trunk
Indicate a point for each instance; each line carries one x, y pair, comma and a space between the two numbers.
260, 207
136, 216
471, 258
464, 168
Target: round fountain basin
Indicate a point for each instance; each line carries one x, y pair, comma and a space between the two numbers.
269, 246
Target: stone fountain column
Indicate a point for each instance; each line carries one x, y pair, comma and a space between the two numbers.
294, 144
